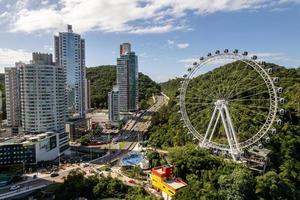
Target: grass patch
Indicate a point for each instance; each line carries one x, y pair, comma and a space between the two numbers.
134, 172
122, 145
104, 168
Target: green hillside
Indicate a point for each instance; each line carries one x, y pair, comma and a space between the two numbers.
102, 80
209, 176
104, 77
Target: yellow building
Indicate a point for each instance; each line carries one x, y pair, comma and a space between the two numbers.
162, 178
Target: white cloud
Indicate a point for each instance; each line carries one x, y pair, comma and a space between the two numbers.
131, 16
8, 57
48, 48
183, 45
188, 60
172, 43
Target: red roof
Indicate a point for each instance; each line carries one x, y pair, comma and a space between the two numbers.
163, 171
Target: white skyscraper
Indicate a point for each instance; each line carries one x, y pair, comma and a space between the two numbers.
70, 54
41, 87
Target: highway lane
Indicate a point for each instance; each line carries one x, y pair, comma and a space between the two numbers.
42, 179
131, 131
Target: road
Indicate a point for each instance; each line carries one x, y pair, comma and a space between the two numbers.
133, 130
32, 184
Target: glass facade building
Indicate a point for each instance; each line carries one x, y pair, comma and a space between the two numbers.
127, 80
12, 154
70, 54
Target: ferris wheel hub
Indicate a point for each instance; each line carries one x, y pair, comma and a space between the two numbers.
221, 102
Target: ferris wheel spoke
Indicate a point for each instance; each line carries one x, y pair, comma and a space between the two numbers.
215, 91
238, 77
198, 103
251, 106
241, 74
249, 89
252, 95
201, 110
254, 106
263, 114
256, 114
214, 81
244, 82
211, 95
260, 122
243, 99
200, 97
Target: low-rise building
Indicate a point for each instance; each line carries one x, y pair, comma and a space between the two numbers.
77, 127
163, 179
29, 149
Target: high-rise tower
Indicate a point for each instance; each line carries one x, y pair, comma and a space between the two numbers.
127, 78
113, 105
39, 89
70, 54
13, 101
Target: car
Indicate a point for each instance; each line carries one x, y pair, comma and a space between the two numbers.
14, 187
84, 165
131, 181
54, 174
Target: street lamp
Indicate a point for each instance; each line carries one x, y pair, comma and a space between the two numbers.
58, 159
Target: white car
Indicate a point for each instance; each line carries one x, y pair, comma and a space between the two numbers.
84, 164
14, 187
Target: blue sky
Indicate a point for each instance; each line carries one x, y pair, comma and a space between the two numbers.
166, 34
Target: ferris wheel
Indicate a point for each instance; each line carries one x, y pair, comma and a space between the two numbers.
232, 107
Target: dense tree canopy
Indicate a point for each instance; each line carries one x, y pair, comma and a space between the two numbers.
102, 80
76, 184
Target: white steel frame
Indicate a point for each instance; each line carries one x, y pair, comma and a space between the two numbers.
221, 110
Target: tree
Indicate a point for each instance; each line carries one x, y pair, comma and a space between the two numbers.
239, 185
154, 158
74, 185
273, 186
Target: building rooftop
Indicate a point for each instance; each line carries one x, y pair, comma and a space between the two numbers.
27, 139
260, 152
176, 183
163, 171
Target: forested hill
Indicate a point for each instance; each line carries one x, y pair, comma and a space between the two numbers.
104, 77
210, 177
